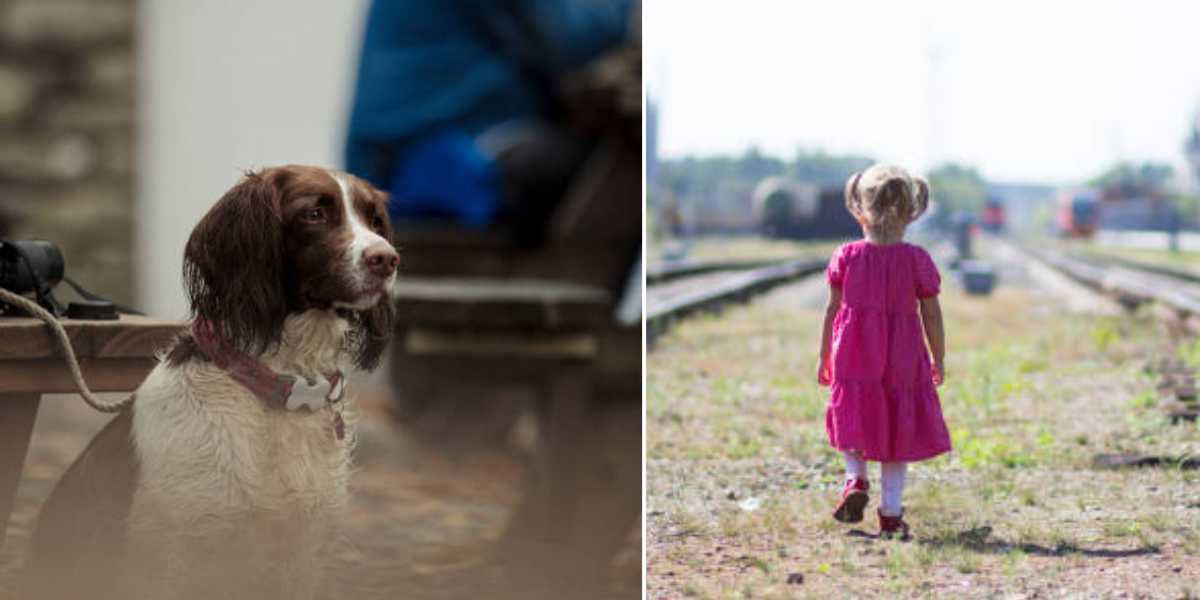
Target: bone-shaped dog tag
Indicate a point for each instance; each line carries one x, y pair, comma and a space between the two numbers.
310, 393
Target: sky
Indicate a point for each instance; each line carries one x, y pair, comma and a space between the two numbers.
1030, 91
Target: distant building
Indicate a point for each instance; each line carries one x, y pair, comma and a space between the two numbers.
1139, 214
1022, 203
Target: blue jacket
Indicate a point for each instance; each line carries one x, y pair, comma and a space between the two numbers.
433, 65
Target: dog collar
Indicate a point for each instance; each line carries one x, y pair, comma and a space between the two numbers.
275, 390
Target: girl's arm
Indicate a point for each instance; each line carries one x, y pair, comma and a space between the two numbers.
931, 317
824, 374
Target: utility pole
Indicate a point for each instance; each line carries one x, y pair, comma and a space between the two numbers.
1191, 148
934, 56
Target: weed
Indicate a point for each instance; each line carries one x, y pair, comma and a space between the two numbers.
738, 445
1144, 400
1103, 336
1027, 496
801, 401
1045, 444
928, 556
898, 562
1190, 354
969, 563
974, 538
848, 565
725, 390
1012, 559
1033, 365
1064, 542
761, 564
1150, 541
732, 525
686, 523
777, 519
976, 452
1121, 529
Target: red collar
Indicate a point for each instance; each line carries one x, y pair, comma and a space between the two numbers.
275, 390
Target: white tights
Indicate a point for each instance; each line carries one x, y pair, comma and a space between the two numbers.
892, 474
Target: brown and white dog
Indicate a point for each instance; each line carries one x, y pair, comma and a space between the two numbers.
227, 475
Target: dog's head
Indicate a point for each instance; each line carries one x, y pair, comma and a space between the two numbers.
289, 239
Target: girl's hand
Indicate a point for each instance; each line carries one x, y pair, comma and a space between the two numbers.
939, 373
824, 375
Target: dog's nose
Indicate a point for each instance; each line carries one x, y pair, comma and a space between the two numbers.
381, 259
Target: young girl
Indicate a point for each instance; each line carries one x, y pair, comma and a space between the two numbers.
883, 406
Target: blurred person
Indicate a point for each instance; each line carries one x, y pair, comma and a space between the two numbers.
884, 404
456, 112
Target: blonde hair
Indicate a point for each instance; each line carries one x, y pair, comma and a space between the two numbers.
886, 198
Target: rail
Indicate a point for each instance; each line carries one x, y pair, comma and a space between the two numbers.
1128, 283
738, 288
670, 271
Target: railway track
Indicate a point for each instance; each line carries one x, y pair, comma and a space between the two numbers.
1133, 283
672, 299
675, 270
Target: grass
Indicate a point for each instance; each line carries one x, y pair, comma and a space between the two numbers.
1148, 255
1031, 395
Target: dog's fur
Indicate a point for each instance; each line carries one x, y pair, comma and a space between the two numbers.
200, 490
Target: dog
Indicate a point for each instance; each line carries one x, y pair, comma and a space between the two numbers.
227, 475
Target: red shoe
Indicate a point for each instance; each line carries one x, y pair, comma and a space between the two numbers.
854, 500
890, 527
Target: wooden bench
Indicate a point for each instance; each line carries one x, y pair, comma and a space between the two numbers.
559, 339
474, 309
115, 356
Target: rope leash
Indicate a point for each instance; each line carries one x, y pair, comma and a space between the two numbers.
64, 344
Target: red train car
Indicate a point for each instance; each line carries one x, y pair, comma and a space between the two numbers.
1078, 214
993, 217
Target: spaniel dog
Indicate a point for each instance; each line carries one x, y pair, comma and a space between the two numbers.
227, 475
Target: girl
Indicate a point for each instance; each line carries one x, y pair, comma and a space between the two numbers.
883, 406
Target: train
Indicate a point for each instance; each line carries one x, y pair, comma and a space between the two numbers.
1077, 213
993, 217
790, 209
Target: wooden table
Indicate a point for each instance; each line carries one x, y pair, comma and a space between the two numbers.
115, 356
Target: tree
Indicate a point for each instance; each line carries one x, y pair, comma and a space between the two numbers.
956, 188
1126, 180
826, 170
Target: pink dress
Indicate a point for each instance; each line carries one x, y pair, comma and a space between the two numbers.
883, 402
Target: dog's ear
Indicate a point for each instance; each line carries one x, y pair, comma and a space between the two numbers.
920, 198
372, 332
233, 266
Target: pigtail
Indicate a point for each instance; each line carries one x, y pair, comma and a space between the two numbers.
921, 198
853, 203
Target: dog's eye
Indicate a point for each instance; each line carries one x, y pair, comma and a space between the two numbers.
377, 223
315, 214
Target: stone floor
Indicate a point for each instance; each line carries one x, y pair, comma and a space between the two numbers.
422, 523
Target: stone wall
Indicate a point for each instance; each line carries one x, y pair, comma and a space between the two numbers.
66, 134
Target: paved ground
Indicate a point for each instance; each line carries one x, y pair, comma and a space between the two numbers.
422, 522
